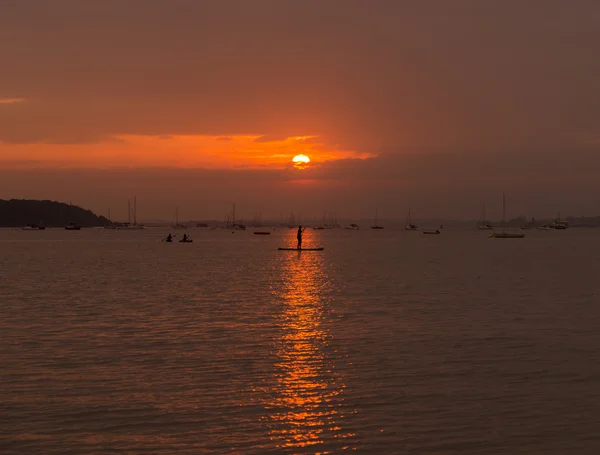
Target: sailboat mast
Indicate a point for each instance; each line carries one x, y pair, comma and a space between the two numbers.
503, 211
128, 212
135, 210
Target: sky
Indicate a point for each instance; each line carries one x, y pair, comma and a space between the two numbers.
434, 105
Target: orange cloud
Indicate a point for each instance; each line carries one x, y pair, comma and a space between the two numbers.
11, 100
180, 151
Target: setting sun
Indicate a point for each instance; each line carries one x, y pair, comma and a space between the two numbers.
301, 161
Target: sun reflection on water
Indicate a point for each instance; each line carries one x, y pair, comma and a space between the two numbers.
306, 401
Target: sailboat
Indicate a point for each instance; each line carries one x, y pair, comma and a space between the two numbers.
504, 234
375, 223
111, 226
559, 224
321, 226
483, 223
129, 226
408, 226
234, 225
33, 227
529, 225
176, 224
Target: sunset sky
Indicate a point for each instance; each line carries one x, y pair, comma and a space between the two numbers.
433, 104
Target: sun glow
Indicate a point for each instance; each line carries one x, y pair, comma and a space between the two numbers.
178, 151
301, 161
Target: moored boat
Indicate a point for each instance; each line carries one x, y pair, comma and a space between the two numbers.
375, 222
129, 226
559, 224
504, 234
409, 226
33, 227
483, 223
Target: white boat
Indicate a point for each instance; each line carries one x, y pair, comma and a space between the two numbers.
483, 223
504, 234
33, 227
352, 227
409, 226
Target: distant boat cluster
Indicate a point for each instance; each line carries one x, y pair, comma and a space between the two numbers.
329, 221
131, 224
484, 224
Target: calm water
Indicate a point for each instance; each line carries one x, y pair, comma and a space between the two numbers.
387, 342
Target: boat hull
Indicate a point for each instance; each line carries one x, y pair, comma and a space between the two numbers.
301, 249
506, 235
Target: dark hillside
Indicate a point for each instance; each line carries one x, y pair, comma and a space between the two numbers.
19, 213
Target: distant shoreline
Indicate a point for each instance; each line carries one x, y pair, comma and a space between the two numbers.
18, 213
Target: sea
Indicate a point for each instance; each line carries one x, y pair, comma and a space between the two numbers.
386, 342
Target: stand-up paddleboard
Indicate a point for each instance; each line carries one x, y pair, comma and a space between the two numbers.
301, 249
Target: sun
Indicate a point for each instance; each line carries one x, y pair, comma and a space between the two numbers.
301, 161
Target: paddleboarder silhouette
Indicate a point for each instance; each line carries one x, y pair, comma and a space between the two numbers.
299, 236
